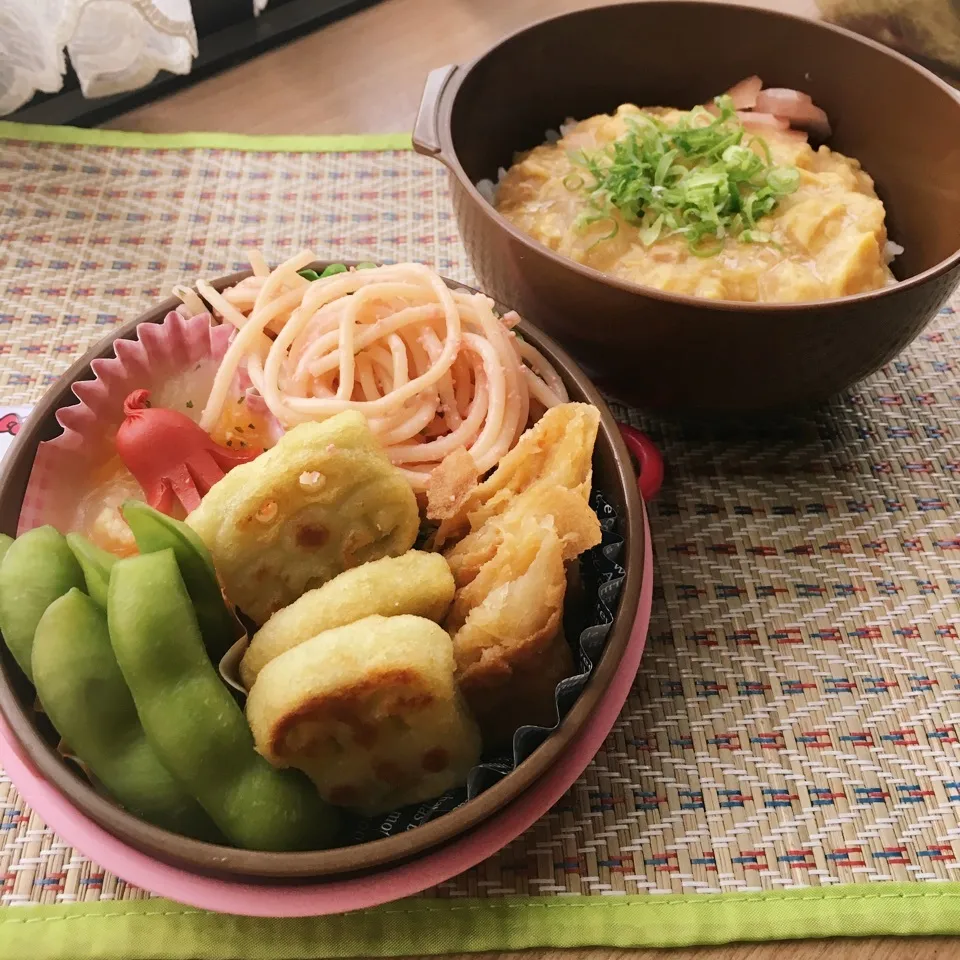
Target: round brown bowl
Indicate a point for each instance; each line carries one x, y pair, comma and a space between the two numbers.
667, 351
613, 474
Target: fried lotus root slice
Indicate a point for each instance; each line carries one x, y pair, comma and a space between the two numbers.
323, 500
370, 712
556, 451
573, 519
417, 583
509, 644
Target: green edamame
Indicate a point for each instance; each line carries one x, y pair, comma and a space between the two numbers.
95, 564
5, 544
333, 270
38, 568
84, 694
192, 721
155, 531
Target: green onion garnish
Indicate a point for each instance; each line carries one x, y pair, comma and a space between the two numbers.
702, 181
783, 180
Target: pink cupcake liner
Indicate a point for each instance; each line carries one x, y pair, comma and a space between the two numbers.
178, 349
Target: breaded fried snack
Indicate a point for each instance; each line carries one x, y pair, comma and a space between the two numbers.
507, 632
369, 712
323, 500
417, 583
575, 523
556, 451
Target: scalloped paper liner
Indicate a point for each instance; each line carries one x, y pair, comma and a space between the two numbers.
162, 355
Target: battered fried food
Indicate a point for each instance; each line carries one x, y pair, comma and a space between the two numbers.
450, 484
518, 529
323, 500
576, 525
416, 583
508, 640
556, 451
369, 712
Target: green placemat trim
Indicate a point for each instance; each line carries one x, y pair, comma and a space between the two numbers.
341, 143
160, 928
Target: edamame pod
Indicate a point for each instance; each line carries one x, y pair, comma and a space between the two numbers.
84, 694
95, 564
38, 568
5, 544
155, 531
192, 721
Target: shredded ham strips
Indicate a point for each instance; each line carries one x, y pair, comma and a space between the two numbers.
434, 370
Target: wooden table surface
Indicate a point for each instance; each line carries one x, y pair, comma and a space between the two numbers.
364, 75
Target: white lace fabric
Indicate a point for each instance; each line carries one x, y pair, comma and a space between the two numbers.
113, 45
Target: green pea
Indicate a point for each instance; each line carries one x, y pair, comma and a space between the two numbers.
84, 695
308, 274
366, 265
5, 544
95, 564
155, 531
334, 268
37, 568
192, 721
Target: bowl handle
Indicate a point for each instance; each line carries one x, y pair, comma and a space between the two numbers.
649, 461
426, 130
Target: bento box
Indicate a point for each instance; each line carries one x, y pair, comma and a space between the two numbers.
479, 745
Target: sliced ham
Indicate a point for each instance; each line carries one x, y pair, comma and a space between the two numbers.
777, 108
783, 102
796, 107
744, 94
762, 121
815, 122
799, 135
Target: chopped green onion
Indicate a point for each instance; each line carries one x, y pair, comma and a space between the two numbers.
741, 162
765, 147
650, 234
706, 250
782, 180
333, 269
585, 221
703, 178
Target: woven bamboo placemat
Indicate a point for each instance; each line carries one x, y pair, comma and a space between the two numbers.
796, 720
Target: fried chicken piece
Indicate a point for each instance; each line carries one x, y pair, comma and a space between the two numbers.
450, 484
576, 525
556, 451
507, 638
